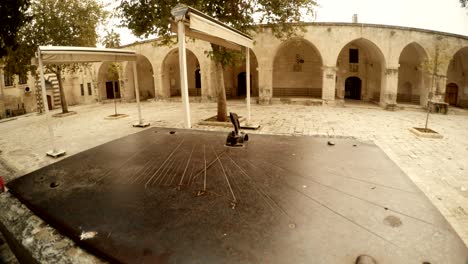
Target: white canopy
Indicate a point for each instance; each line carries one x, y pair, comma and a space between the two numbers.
190, 22
63, 55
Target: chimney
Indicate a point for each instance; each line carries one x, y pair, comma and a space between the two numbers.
355, 18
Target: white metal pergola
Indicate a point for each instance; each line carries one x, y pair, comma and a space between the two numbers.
195, 24
63, 55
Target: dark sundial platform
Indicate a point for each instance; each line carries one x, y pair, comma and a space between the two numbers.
182, 196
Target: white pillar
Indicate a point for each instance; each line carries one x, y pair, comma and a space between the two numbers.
183, 72
137, 91
54, 152
247, 76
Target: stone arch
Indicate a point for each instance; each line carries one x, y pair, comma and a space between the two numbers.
362, 58
297, 70
109, 80
171, 73
145, 75
413, 79
457, 73
235, 86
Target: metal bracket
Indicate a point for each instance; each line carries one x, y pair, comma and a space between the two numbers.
236, 138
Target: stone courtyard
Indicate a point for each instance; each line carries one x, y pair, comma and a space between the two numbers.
439, 167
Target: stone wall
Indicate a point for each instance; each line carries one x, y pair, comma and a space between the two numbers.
313, 64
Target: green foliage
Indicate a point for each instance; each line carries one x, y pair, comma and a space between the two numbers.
66, 22
111, 39
439, 57
13, 16
58, 23
152, 17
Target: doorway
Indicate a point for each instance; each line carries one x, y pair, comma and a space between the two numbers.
242, 84
49, 102
451, 94
112, 90
353, 88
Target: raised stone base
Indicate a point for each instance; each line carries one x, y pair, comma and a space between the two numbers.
297, 101
64, 114
252, 126
143, 124
55, 153
427, 133
212, 122
117, 116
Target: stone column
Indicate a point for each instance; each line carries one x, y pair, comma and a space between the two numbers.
388, 94
440, 88
206, 73
329, 84
423, 89
265, 83
161, 83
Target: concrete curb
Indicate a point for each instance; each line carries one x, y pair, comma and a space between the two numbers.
33, 241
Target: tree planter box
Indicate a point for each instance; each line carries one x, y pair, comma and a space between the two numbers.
213, 122
423, 132
117, 116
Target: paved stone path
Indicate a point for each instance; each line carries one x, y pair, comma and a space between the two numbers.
439, 167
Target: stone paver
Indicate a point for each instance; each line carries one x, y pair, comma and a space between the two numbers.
439, 167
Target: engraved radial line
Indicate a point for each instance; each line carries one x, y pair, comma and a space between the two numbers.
364, 200
224, 172
339, 214
191, 175
186, 166
127, 160
292, 174
209, 165
234, 180
265, 196
147, 167
168, 157
347, 177
204, 158
175, 173
164, 172
141, 171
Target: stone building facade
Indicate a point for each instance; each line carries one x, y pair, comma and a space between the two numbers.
329, 63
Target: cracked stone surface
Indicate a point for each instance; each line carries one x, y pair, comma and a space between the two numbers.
439, 167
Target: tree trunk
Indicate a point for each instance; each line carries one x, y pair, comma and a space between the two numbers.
220, 89
63, 101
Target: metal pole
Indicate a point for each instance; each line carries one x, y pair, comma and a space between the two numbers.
247, 77
115, 102
45, 103
183, 72
137, 92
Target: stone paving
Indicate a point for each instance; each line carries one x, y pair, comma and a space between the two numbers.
439, 167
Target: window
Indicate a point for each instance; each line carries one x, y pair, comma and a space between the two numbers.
82, 89
353, 56
89, 89
23, 79
8, 78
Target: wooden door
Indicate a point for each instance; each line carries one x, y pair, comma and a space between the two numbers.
49, 102
110, 90
451, 94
